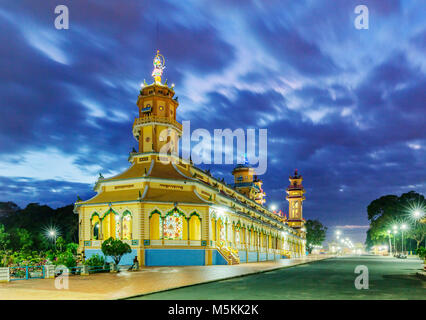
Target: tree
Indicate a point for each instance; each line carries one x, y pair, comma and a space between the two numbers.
390, 210
4, 238
417, 232
21, 239
315, 233
60, 243
115, 249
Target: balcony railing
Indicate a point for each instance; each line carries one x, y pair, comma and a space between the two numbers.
165, 120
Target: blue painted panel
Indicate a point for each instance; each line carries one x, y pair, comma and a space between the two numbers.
174, 257
127, 259
217, 258
252, 256
243, 256
262, 256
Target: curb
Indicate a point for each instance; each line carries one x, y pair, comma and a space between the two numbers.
421, 275
227, 278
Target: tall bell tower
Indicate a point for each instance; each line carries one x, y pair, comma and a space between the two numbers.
295, 197
156, 128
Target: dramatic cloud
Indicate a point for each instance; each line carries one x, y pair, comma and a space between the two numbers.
344, 106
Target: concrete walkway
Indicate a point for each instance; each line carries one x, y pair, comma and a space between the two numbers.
106, 286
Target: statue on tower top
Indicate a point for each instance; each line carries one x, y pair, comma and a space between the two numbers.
159, 65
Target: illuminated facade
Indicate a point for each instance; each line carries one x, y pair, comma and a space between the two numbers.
173, 213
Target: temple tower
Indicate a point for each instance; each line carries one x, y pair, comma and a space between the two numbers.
295, 197
260, 194
243, 180
156, 128
247, 183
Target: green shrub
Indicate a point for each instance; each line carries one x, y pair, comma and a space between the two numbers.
95, 261
421, 252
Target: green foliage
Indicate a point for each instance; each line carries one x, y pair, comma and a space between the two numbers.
389, 210
95, 261
421, 252
4, 238
315, 233
35, 218
72, 247
60, 243
68, 257
21, 239
115, 249
417, 232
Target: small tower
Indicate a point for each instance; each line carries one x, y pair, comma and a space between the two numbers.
295, 197
243, 180
260, 195
156, 128
247, 183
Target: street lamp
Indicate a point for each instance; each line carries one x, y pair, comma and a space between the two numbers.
52, 233
395, 231
403, 227
417, 214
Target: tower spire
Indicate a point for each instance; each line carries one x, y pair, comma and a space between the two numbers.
159, 66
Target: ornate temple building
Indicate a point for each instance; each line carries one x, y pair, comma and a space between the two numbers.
173, 213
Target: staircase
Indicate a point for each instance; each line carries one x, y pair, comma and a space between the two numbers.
230, 255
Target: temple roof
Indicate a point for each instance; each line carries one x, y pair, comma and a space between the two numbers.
114, 196
151, 169
171, 196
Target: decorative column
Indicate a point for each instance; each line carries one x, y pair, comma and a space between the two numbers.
4, 275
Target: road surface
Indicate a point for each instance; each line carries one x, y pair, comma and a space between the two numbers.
389, 278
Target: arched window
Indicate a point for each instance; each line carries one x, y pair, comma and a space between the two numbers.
173, 226
220, 232
155, 225
127, 225
95, 226
109, 225
194, 227
236, 235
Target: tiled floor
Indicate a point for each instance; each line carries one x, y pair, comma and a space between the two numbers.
127, 284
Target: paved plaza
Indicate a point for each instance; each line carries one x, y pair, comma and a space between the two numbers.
127, 284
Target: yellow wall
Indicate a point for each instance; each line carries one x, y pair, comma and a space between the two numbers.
194, 228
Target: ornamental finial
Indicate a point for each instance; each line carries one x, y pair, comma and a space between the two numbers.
159, 65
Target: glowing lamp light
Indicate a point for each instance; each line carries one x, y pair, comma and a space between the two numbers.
273, 207
417, 214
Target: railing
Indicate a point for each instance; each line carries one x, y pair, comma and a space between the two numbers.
26, 272
146, 119
163, 242
99, 269
230, 255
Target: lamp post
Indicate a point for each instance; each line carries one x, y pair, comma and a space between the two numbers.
395, 231
418, 214
52, 234
403, 227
